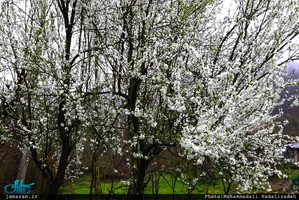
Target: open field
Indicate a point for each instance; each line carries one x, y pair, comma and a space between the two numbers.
82, 186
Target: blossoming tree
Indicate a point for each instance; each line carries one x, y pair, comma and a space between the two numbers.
152, 74
42, 102
141, 44
234, 84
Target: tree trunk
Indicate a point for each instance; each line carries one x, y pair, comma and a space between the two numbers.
139, 188
23, 166
138, 180
95, 174
59, 179
92, 177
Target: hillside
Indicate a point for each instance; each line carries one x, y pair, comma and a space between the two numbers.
291, 113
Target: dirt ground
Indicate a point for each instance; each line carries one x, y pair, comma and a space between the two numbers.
279, 185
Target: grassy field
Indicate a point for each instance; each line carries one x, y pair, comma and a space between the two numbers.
291, 170
82, 186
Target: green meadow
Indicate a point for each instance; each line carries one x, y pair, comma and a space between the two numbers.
82, 186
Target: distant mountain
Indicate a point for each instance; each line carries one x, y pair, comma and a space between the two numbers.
290, 113
293, 70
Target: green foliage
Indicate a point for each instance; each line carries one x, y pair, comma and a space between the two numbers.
295, 181
291, 173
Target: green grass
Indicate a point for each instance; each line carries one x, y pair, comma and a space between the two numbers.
76, 186
82, 185
165, 187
